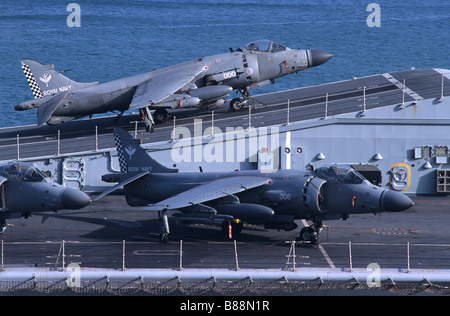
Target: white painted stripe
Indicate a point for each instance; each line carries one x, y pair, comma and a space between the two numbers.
327, 258
399, 85
322, 250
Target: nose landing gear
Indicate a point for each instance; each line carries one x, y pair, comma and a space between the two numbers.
311, 233
237, 104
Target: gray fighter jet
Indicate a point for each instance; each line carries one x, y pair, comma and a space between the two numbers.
197, 83
24, 189
231, 198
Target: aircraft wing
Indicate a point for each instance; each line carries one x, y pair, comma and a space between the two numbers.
209, 191
162, 85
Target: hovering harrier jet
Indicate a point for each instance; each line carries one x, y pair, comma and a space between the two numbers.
196, 83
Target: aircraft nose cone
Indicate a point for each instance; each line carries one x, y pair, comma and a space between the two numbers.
74, 199
318, 57
392, 201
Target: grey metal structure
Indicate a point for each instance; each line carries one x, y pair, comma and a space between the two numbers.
222, 282
24, 189
197, 83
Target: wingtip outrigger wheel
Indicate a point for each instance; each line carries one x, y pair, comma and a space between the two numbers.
164, 227
161, 115
148, 126
2, 226
148, 120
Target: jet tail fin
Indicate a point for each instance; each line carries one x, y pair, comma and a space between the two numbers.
133, 158
45, 81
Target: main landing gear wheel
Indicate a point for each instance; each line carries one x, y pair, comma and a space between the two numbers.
161, 115
311, 233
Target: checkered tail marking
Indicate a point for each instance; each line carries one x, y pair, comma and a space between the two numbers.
122, 161
32, 82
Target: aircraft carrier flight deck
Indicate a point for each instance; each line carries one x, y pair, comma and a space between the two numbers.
386, 121
110, 235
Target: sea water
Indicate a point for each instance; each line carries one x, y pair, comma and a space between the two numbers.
119, 38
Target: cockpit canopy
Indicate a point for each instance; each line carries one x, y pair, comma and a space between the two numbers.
262, 46
22, 172
340, 174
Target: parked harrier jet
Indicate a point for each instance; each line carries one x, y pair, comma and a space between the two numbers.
197, 83
230, 198
25, 189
